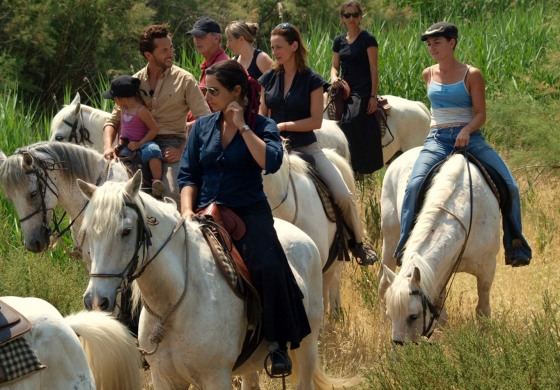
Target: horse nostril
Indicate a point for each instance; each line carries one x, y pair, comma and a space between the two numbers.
87, 302
398, 342
105, 305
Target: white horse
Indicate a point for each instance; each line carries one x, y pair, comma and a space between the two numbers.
293, 197
408, 121
451, 234
79, 124
86, 350
38, 177
192, 324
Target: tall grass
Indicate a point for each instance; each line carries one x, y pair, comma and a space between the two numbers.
514, 43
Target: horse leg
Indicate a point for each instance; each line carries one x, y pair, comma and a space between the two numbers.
484, 283
221, 379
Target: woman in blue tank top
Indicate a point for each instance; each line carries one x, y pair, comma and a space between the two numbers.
458, 110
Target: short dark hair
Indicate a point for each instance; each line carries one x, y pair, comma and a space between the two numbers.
146, 41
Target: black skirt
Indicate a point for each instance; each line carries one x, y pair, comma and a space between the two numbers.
363, 135
284, 316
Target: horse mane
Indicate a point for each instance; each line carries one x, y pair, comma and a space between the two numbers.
96, 114
72, 160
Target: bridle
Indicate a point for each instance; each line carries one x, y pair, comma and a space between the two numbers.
78, 127
41, 170
435, 310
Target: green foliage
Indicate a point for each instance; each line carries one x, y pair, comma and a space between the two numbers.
49, 44
500, 356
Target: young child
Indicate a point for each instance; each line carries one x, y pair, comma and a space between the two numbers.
138, 127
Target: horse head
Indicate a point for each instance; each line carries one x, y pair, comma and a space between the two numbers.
24, 177
409, 308
65, 123
114, 232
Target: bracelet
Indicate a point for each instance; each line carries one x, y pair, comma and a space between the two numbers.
244, 129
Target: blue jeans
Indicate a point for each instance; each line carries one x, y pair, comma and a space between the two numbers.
438, 145
150, 150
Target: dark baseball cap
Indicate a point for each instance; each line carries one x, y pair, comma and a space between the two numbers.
204, 26
122, 86
441, 29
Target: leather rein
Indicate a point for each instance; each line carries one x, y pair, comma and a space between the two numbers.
428, 326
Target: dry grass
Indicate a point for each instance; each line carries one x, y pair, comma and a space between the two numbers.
362, 340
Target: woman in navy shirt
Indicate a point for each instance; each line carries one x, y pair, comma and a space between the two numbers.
223, 160
293, 96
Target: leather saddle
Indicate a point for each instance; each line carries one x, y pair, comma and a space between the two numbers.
12, 323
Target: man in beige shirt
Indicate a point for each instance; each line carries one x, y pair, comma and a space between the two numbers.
170, 93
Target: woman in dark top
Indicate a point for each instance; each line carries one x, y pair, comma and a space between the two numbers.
223, 161
356, 53
293, 96
240, 40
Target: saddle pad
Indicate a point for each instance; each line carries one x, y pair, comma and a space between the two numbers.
12, 323
17, 359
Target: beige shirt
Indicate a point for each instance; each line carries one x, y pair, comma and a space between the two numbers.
176, 94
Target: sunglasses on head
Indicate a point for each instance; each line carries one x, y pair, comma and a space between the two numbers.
285, 26
213, 91
347, 15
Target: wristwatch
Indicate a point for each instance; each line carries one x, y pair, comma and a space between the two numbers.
244, 129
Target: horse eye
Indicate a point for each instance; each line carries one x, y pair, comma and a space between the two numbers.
413, 317
33, 194
59, 138
125, 232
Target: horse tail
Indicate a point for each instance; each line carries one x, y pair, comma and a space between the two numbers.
109, 348
322, 381
343, 166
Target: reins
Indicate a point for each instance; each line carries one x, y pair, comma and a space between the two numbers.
435, 310
287, 192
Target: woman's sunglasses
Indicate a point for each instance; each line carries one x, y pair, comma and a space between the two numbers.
285, 26
213, 91
355, 15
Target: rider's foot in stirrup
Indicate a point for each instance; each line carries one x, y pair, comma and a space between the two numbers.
158, 189
364, 254
280, 362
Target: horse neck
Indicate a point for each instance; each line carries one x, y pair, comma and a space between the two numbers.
279, 191
165, 278
93, 118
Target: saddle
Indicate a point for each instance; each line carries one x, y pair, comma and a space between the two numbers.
339, 247
219, 224
12, 323
494, 180
133, 162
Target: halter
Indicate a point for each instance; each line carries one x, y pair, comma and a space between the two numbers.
435, 311
84, 132
43, 180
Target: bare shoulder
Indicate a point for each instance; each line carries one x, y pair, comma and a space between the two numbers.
426, 74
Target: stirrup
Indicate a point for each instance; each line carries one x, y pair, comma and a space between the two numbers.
275, 371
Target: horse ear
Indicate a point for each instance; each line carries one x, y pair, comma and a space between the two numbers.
76, 99
27, 159
87, 189
416, 277
387, 278
133, 185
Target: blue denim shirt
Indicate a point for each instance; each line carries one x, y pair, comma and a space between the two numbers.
228, 176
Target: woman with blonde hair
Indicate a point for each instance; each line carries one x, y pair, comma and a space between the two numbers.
292, 95
241, 41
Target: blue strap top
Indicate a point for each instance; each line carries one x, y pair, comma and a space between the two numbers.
450, 103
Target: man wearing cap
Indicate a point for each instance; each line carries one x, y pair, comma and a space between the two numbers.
207, 36
170, 93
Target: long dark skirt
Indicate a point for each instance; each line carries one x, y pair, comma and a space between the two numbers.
284, 315
363, 135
